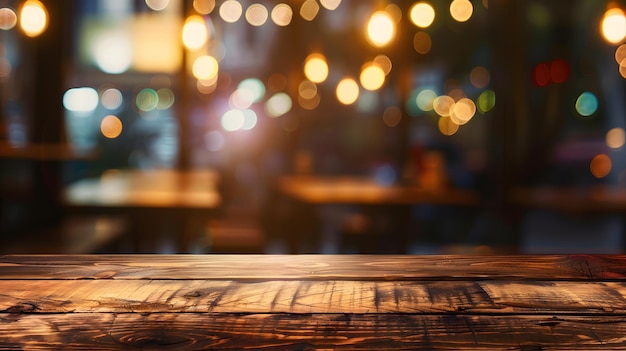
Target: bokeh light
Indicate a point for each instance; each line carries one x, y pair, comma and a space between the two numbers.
395, 12
486, 101
447, 126
111, 126
112, 51
392, 116
204, 7
380, 29
372, 77
541, 74
613, 25
147, 99
166, 98
384, 62
559, 71
309, 103
480, 77
330, 4
111, 99
157, 5
309, 10
586, 104
81, 99
463, 111
347, 91
257, 15
249, 119
282, 15
615, 138
620, 54
422, 14
231, 11
442, 105
195, 32
241, 98
205, 67
422, 43
255, 86
8, 18
425, 98
307, 89
461, 10
33, 18
316, 68
600, 166
278, 105
233, 120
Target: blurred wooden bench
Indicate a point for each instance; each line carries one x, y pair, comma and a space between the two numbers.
303, 302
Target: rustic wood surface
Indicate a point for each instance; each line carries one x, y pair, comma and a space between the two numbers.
307, 302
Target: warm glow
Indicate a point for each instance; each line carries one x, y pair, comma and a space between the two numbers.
111, 127
443, 105
620, 54
422, 14
33, 18
384, 63
205, 67
380, 29
8, 18
282, 15
112, 51
316, 68
195, 32
278, 105
347, 91
462, 111
461, 10
231, 11
372, 77
81, 99
422, 43
479, 76
395, 12
233, 120
330, 4
615, 138
613, 27
309, 103
157, 5
203, 7
601, 166
307, 89
256, 15
309, 10
447, 126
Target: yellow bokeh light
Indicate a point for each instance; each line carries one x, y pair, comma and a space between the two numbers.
622, 70
330, 4
384, 62
157, 5
613, 25
230, 11
620, 54
480, 77
447, 126
307, 89
600, 166
615, 138
422, 43
422, 14
282, 15
203, 7
309, 10
372, 77
195, 32
256, 15
443, 105
111, 126
461, 10
33, 18
395, 12
205, 67
380, 29
462, 111
8, 18
316, 68
347, 91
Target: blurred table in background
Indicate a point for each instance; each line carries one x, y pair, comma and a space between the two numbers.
154, 201
392, 201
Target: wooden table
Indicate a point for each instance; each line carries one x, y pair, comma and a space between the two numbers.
146, 197
306, 302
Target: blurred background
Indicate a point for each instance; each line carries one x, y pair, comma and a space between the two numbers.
312, 126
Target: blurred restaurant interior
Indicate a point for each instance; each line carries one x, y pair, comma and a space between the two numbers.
312, 126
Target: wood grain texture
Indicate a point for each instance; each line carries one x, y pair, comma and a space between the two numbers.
486, 297
215, 331
313, 267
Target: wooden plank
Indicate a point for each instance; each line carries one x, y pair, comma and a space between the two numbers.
327, 267
485, 297
198, 331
